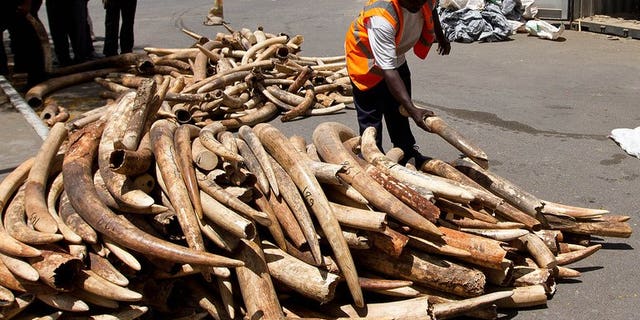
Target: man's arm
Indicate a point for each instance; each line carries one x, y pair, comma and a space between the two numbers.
399, 91
444, 46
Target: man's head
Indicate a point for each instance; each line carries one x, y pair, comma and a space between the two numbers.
412, 5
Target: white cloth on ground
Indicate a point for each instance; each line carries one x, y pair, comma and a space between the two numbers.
627, 139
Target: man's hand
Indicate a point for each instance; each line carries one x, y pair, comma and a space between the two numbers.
444, 46
418, 115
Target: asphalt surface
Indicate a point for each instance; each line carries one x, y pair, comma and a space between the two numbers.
540, 109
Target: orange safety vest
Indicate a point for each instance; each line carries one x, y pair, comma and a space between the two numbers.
359, 57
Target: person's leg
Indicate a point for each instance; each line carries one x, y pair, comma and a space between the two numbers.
4, 63
126, 30
397, 124
369, 110
79, 33
58, 28
111, 24
28, 54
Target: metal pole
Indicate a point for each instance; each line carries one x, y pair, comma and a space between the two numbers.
27, 112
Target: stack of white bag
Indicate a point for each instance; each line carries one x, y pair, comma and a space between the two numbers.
627, 139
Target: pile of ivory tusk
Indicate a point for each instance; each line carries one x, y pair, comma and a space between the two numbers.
126, 212
255, 76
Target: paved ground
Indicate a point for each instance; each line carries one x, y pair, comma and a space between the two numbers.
540, 109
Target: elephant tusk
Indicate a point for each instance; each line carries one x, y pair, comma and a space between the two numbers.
83, 197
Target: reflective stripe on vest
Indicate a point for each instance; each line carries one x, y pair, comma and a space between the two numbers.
359, 57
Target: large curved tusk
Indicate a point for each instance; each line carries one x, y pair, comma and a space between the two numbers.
328, 137
82, 195
122, 254
119, 185
36, 94
75, 222
145, 106
201, 62
107, 198
438, 185
95, 299
253, 164
262, 114
162, 138
103, 267
208, 139
275, 229
485, 197
304, 106
577, 255
63, 301
35, 194
91, 282
55, 190
513, 194
13, 181
438, 126
121, 60
16, 226
182, 142
289, 192
282, 150
260, 45
246, 133
576, 212
8, 244
20, 268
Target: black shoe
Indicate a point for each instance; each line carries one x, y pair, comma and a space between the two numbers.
418, 158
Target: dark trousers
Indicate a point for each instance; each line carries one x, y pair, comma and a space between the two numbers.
377, 103
25, 45
114, 10
68, 23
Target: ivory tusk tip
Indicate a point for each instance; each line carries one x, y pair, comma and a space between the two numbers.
138, 199
45, 227
482, 161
